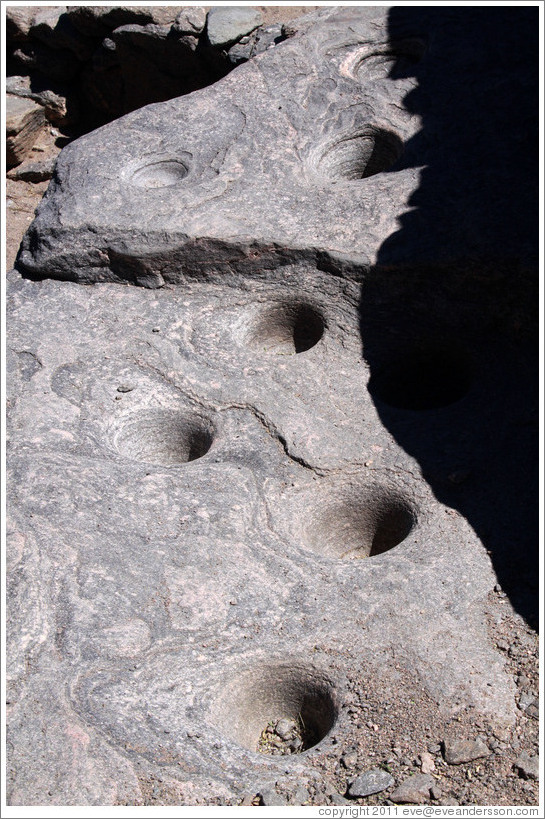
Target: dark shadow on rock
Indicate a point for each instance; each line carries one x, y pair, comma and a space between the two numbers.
449, 315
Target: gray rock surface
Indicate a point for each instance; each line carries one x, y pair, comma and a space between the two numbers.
528, 766
248, 461
286, 158
227, 24
370, 782
415, 790
18, 21
56, 106
256, 43
300, 796
118, 612
278, 164
533, 709
33, 171
24, 121
270, 798
457, 751
190, 20
337, 799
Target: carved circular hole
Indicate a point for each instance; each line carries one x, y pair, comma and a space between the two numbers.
360, 155
423, 379
399, 57
286, 329
292, 700
164, 437
162, 173
350, 522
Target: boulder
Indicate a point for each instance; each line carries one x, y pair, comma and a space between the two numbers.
59, 108
24, 121
18, 22
100, 20
54, 27
33, 171
190, 20
156, 66
227, 24
257, 42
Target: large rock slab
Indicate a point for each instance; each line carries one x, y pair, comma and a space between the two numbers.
273, 155
194, 485
298, 149
212, 526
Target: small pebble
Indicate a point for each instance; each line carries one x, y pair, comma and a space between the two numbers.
415, 790
370, 782
458, 751
125, 388
285, 728
527, 766
272, 798
300, 796
525, 700
337, 799
155, 329
427, 763
349, 759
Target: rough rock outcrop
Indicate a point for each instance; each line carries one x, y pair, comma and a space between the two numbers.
113, 59
270, 475
24, 122
287, 158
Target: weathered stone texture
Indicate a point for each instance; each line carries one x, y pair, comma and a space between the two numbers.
212, 526
24, 121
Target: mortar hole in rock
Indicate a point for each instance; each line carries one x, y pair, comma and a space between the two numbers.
160, 174
164, 437
423, 379
358, 523
360, 155
400, 56
277, 710
287, 329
